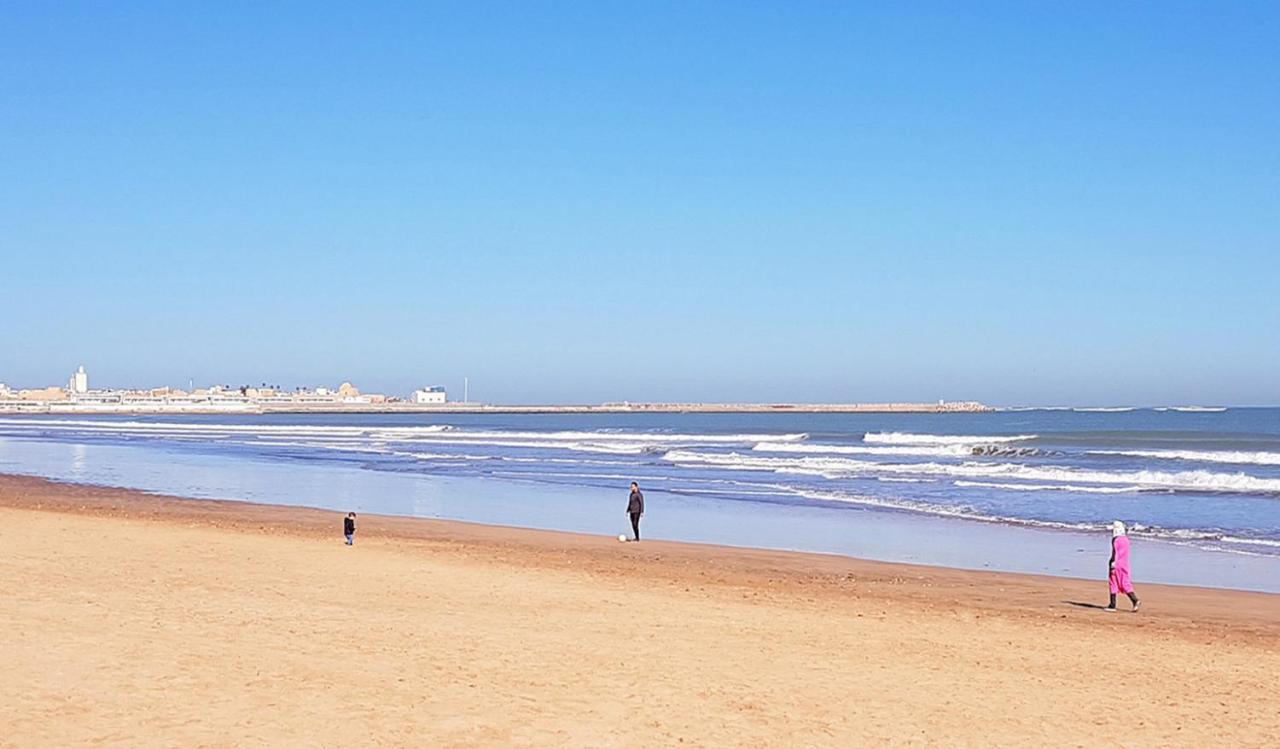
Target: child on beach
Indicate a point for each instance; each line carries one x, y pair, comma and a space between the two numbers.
349, 528
635, 508
1119, 568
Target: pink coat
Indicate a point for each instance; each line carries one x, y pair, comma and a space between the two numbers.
1121, 581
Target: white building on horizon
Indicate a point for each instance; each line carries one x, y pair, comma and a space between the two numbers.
429, 396
79, 382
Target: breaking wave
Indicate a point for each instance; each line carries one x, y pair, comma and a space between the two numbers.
957, 450
1204, 481
1198, 537
434, 435
907, 438
1065, 472
1203, 456
1053, 487
810, 448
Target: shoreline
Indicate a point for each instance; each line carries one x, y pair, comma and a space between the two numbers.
866, 532
143, 620
829, 572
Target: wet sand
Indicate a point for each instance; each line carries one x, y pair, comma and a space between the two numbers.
138, 620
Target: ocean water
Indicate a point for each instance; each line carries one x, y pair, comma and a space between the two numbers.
1202, 480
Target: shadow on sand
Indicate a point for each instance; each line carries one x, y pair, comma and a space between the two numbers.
1084, 605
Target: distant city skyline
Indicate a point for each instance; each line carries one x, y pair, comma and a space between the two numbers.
79, 383
1036, 205
81, 395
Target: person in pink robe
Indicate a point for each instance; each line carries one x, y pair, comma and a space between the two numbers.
1119, 575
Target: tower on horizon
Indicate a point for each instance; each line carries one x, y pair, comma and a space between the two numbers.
79, 381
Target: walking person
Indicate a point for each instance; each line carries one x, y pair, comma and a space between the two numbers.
635, 508
1119, 577
349, 528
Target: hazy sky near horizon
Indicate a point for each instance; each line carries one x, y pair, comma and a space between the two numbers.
1019, 203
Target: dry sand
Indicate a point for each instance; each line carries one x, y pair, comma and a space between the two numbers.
135, 620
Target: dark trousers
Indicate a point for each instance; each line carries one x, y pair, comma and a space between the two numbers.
635, 524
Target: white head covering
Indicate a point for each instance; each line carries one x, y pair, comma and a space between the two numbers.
1117, 529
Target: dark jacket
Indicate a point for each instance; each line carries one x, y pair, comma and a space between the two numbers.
348, 526
636, 503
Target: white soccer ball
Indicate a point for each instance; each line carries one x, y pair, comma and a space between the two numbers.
622, 537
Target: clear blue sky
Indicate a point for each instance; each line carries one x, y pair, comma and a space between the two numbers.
1017, 202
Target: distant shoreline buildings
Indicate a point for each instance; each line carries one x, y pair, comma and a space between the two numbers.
79, 398
429, 396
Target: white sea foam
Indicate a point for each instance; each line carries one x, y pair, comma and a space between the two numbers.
440, 433
1199, 409
907, 438
999, 449
566, 461
575, 475
1051, 487
1206, 481
346, 445
613, 442
1200, 535
1201, 538
963, 512
631, 437
894, 503
956, 450
444, 456
613, 448
1104, 409
1238, 457
1273, 543
729, 492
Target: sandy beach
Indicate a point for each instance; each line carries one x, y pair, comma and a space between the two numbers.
138, 620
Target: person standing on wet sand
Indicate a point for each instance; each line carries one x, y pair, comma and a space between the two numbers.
1119, 577
349, 528
635, 508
